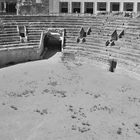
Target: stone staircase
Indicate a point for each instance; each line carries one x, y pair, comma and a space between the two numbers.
10, 39
126, 49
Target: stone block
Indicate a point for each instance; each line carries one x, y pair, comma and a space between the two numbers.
82, 33
89, 31
114, 36
121, 34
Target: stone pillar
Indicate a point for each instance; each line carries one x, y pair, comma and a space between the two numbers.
50, 6
135, 7
4, 10
0, 7
18, 7
70, 7
121, 6
95, 8
108, 7
82, 7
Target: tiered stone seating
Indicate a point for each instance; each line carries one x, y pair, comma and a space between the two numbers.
95, 42
10, 37
126, 46
125, 50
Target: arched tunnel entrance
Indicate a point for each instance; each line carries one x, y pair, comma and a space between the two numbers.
52, 42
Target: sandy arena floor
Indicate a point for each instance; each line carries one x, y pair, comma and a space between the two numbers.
64, 99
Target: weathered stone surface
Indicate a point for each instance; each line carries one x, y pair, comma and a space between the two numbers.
107, 43
89, 31
121, 34
114, 36
33, 8
82, 33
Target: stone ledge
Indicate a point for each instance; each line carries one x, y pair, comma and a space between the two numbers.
18, 54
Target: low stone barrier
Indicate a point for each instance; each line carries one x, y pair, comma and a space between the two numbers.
18, 54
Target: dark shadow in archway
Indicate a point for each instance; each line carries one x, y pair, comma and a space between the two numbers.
52, 45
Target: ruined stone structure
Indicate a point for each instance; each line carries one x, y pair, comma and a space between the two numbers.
24, 7
32, 7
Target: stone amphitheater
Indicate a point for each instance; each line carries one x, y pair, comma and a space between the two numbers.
98, 29
55, 77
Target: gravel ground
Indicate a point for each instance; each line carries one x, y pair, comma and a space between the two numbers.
68, 98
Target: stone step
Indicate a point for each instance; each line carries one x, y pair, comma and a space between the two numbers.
38, 31
99, 57
127, 44
113, 49
45, 20
9, 35
9, 39
67, 35
97, 37
54, 26
9, 26
10, 42
86, 49
6, 22
40, 18
19, 45
68, 28
85, 45
121, 58
45, 23
131, 50
89, 55
35, 37
95, 43
3, 30
130, 41
52, 19
124, 54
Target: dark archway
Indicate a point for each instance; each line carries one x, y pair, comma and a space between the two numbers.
52, 44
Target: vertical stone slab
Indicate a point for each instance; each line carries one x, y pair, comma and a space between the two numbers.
82, 33
121, 34
114, 36
89, 31
135, 7
108, 7
70, 7
95, 8
121, 6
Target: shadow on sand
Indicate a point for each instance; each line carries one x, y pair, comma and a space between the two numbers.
50, 53
47, 55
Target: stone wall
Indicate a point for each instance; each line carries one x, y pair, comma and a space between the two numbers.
17, 55
33, 8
